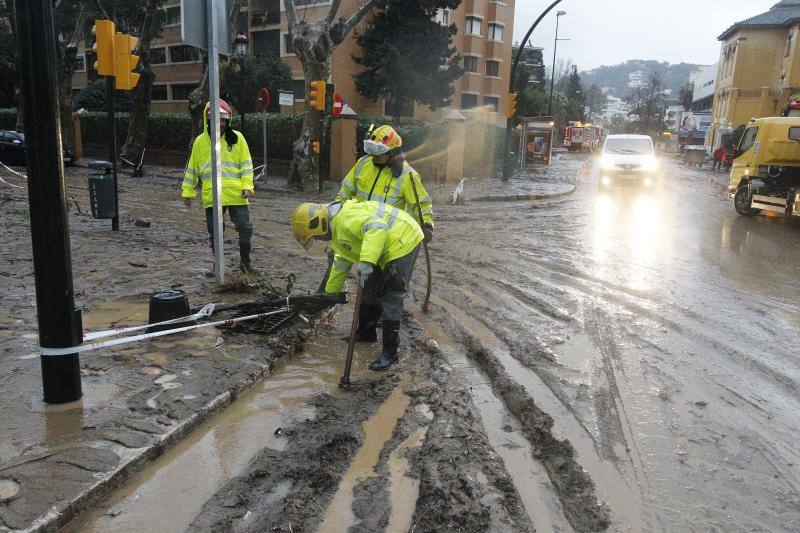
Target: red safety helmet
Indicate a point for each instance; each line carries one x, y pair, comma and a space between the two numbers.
225, 111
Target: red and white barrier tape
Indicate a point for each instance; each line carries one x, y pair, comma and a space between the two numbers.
51, 352
205, 312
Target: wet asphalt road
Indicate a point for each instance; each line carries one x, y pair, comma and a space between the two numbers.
663, 329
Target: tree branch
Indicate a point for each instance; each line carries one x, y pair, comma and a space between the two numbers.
334, 9
291, 12
356, 17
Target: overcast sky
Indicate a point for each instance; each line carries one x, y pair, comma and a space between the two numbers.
608, 32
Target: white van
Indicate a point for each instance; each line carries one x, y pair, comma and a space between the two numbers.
629, 160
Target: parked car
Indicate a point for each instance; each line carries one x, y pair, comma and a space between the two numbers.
13, 151
629, 160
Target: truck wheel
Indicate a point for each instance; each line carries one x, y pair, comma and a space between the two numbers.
741, 202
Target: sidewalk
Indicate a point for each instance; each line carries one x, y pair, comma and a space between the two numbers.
138, 398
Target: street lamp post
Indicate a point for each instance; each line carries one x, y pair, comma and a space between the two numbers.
240, 53
553, 76
508, 166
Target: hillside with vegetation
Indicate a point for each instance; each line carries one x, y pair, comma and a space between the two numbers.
617, 76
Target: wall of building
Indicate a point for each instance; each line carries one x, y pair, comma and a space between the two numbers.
268, 28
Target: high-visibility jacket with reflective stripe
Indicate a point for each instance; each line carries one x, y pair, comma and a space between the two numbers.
371, 232
236, 169
366, 181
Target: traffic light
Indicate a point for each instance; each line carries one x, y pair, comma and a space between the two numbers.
316, 96
125, 62
512, 105
330, 90
103, 47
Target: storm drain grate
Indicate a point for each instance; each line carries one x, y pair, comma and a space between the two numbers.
298, 306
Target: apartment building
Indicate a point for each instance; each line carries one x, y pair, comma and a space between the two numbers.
485, 29
758, 70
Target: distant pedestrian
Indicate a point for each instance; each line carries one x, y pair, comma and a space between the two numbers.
719, 155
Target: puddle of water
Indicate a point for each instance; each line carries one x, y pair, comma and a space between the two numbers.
577, 352
173, 489
403, 490
610, 485
530, 478
378, 430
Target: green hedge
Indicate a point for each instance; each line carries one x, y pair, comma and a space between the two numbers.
172, 131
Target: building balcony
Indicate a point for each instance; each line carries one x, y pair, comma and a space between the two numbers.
265, 18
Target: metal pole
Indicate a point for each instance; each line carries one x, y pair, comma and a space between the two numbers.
112, 148
59, 321
264, 170
508, 167
553, 76
216, 179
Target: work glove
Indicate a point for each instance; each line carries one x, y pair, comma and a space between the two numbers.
427, 230
336, 298
364, 270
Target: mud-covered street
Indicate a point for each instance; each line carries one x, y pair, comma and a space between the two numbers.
622, 360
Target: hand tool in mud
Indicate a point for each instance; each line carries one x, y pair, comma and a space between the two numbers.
345, 381
425, 246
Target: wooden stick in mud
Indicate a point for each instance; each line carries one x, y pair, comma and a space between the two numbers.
345, 381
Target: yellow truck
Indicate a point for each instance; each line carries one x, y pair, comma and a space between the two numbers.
765, 175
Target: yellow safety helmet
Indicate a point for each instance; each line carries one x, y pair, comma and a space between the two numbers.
309, 220
382, 140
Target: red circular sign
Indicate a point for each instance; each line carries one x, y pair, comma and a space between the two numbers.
263, 99
338, 105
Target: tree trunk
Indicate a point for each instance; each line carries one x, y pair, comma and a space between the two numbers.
314, 47
12, 23
133, 149
197, 102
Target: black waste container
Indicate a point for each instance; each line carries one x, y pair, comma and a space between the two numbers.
101, 190
166, 305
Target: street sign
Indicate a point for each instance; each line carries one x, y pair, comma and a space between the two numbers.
286, 98
194, 24
338, 105
263, 99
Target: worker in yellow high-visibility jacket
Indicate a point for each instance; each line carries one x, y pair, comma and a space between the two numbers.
384, 175
236, 169
378, 239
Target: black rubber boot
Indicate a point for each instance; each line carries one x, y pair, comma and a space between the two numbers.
244, 257
368, 318
391, 342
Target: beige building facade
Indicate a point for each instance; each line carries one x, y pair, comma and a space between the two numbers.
759, 68
485, 29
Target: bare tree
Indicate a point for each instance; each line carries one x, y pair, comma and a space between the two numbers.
313, 43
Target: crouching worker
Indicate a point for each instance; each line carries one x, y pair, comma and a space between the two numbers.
377, 238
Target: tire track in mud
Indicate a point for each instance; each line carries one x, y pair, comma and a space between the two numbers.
462, 483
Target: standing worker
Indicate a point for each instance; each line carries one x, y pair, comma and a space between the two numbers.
236, 169
381, 240
383, 175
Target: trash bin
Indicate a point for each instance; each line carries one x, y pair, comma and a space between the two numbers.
101, 190
167, 305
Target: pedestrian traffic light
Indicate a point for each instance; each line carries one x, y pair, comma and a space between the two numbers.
512, 104
103, 47
316, 96
125, 62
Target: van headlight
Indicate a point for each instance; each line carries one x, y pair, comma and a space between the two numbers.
606, 163
651, 163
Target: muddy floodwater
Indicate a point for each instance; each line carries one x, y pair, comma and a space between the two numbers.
620, 360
